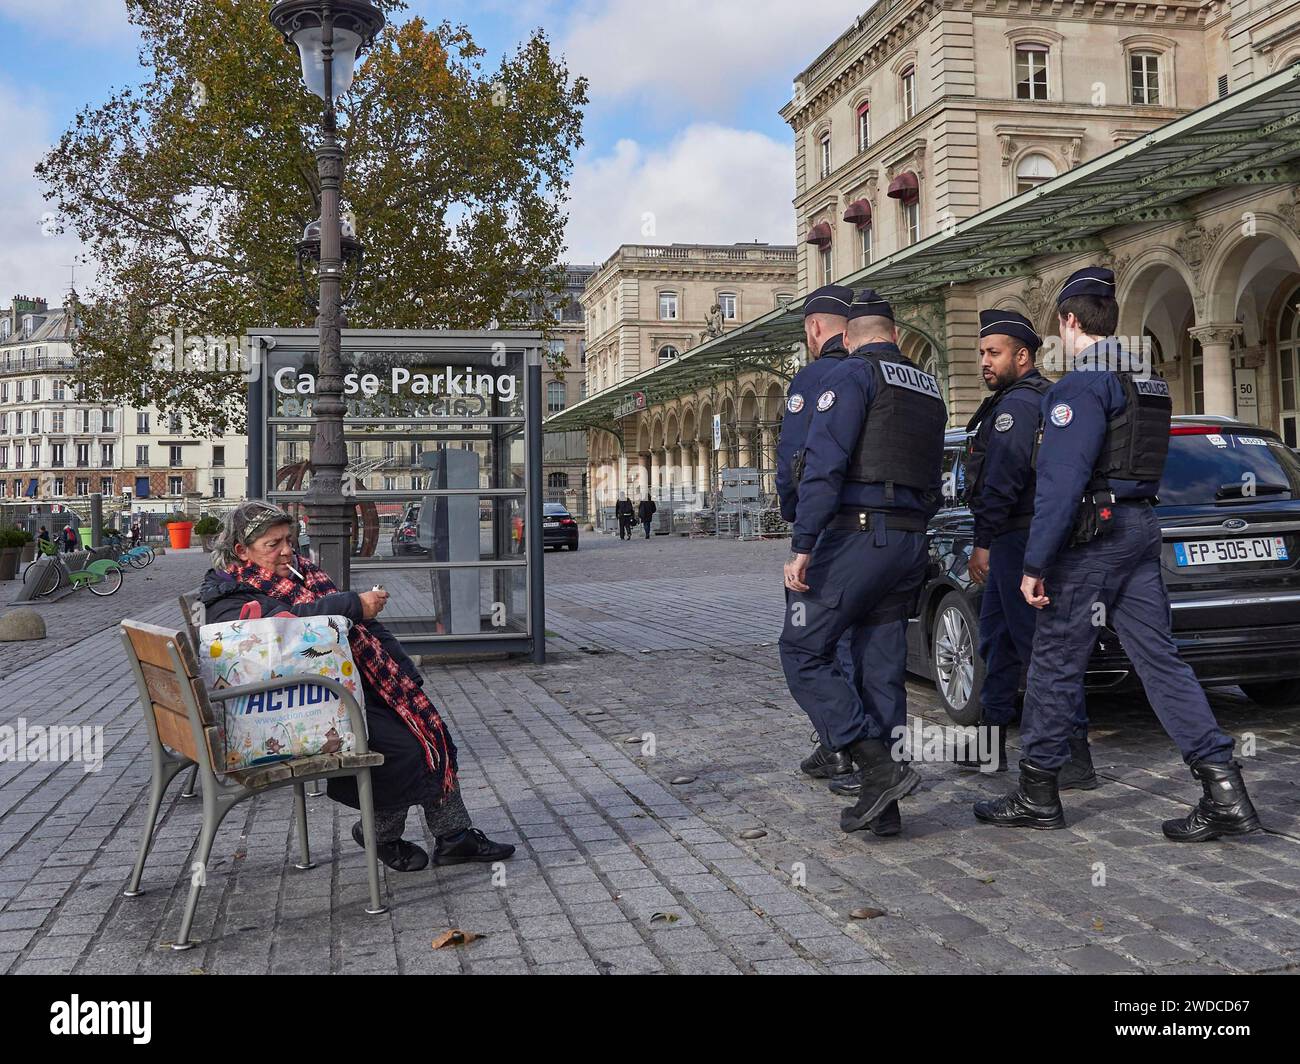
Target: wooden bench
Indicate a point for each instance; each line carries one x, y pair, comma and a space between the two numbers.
184, 730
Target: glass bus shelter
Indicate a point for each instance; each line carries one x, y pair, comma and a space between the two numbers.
444, 441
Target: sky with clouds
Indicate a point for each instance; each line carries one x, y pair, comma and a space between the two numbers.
682, 126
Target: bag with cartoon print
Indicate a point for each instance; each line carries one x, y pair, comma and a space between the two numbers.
301, 718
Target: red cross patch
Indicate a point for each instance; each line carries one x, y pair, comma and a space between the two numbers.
1106, 512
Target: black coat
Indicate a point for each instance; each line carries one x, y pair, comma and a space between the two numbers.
623, 509
647, 510
404, 778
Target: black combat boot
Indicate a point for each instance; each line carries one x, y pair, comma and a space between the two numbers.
1036, 803
884, 781
1225, 808
849, 786
985, 738
1077, 774
824, 764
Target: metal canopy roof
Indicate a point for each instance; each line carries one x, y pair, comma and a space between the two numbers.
1250, 137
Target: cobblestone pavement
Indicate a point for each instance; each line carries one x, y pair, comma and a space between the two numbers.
620, 870
73, 617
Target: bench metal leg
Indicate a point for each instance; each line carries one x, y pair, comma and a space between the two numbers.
214, 813
164, 771
316, 790
188, 790
305, 862
365, 796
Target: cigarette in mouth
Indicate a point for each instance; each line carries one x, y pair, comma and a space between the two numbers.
297, 574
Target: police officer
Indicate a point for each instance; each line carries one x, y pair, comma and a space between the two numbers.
1000, 475
825, 316
1094, 550
871, 482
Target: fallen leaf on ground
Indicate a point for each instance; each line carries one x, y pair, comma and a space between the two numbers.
665, 918
455, 937
867, 914
679, 781
753, 833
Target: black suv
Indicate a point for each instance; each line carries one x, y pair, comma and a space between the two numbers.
1229, 508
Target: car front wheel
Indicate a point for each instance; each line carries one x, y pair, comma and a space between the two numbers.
1274, 692
957, 669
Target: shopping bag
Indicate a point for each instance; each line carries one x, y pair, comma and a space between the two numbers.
300, 719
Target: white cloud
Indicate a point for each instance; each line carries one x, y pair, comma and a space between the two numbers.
89, 21
708, 54
31, 262
709, 185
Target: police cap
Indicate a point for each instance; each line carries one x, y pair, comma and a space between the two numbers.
1090, 281
830, 299
1009, 323
869, 304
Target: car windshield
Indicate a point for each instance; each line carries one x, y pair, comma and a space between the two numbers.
1227, 466
554, 509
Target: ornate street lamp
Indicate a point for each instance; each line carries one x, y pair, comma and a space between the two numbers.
329, 35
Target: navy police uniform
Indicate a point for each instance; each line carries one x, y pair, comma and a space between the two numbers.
1096, 543
871, 481
1105, 432
806, 386
1000, 475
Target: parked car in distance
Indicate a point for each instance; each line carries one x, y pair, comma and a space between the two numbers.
559, 529
1229, 512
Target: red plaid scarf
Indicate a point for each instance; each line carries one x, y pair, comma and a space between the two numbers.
386, 677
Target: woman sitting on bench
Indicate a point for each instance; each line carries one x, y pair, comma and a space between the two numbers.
257, 573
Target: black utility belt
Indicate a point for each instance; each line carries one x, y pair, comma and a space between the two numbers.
1096, 516
856, 520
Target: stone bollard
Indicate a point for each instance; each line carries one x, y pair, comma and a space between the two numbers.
20, 626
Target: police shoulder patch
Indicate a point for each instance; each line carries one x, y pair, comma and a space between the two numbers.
1062, 415
826, 401
795, 403
1004, 423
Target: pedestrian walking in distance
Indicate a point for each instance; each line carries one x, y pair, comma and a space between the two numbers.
647, 511
626, 517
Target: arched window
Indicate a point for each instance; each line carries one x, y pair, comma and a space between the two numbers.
1144, 77
1288, 364
1033, 170
556, 397
864, 125
1031, 71
907, 91
667, 353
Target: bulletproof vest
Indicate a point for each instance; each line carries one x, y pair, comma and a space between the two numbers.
1137, 441
977, 444
902, 441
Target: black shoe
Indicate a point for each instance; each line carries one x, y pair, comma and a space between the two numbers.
1036, 803
849, 786
470, 846
986, 735
884, 781
1077, 774
890, 822
823, 764
400, 856
1225, 808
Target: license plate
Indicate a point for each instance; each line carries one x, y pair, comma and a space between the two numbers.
1228, 551
550, 524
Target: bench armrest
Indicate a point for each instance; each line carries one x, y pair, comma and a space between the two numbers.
355, 715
